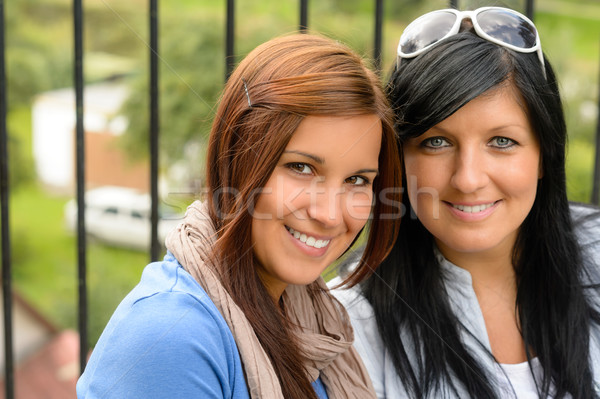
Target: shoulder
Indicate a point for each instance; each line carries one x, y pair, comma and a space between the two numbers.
165, 338
586, 224
357, 306
172, 303
586, 221
367, 340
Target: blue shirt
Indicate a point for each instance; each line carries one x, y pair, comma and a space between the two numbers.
166, 340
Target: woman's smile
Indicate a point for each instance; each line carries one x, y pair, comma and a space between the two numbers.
317, 199
308, 239
473, 208
474, 212
476, 175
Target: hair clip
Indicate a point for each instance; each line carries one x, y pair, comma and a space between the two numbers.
247, 94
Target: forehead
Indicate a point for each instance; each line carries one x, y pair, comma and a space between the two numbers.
337, 135
510, 91
502, 106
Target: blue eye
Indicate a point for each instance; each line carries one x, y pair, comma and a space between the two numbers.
435, 142
502, 142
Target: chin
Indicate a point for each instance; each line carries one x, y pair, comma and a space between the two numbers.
467, 246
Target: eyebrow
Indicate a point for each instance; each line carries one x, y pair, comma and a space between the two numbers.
512, 125
496, 128
376, 171
315, 158
321, 161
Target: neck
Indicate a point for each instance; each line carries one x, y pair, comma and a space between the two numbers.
494, 283
489, 269
273, 286
275, 294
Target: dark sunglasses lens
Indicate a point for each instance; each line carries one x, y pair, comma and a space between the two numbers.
428, 29
507, 27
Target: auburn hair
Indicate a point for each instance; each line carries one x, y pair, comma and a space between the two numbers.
266, 97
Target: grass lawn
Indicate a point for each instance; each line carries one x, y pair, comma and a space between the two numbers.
45, 263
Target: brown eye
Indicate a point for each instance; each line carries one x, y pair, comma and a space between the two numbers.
358, 181
300, 167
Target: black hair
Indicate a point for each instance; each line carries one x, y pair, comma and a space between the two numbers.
408, 294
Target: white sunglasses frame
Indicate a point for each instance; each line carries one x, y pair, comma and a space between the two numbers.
472, 15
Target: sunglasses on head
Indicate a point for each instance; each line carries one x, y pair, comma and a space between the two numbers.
502, 26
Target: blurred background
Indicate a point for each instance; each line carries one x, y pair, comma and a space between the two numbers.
41, 123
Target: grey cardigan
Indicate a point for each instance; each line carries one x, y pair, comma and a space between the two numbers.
466, 307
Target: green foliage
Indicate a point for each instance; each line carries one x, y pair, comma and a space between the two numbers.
579, 159
44, 259
36, 58
20, 161
191, 75
32, 68
116, 27
570, 32
39, 41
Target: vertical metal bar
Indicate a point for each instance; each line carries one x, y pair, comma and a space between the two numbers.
303, 16
80, 160
154, 128
6, 261
453, 4
529, 8
596, 184
229, 39
378, 33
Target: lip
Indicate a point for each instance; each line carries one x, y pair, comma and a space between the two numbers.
308, 249
467, 214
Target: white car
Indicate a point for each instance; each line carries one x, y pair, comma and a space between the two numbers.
121, 217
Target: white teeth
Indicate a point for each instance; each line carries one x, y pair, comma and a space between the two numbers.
473, 209
308, 240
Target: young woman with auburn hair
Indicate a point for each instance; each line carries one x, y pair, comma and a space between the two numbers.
301, 156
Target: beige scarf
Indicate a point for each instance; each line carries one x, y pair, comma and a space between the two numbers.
326, 338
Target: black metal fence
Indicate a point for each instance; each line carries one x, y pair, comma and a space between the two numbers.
154, 95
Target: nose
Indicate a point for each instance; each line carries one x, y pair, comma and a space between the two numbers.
326, 205
469, 174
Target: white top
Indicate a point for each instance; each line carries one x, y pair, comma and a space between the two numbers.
517, 379
465, 306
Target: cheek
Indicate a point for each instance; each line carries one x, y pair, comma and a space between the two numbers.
425, 178
357, 208
521, 178
263, 206
260, 229
263, 199
277, 198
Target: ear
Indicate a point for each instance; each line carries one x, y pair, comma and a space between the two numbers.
540, 168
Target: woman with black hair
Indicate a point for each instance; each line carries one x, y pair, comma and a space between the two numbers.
491, 290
